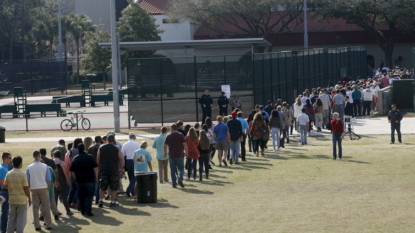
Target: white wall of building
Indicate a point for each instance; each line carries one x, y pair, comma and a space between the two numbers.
174, 31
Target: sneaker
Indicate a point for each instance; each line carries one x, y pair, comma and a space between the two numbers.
69, 213
114, 204
224, 162
400, 141
101, 204
73, 206
231, 161
56, 217
180, 182
107, 197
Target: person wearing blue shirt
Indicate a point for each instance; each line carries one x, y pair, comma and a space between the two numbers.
245, 127
269, 107
4, 168
222, 137
163, 162
142, 161
261, 110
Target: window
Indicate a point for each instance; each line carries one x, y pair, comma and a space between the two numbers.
165, 21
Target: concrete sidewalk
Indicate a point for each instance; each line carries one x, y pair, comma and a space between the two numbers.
361, 126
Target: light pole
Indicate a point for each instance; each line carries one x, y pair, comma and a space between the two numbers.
60, 32
115, 71
305, 25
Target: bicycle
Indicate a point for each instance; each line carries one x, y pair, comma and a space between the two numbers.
67, 124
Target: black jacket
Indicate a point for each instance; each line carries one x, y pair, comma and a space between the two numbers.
395, 117
223, 100
206, 100
235, 129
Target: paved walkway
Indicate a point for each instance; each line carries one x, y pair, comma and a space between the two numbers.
361, 126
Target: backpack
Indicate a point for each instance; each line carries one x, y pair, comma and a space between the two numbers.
312, 111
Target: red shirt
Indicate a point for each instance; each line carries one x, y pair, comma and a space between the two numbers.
337, 126
192, 148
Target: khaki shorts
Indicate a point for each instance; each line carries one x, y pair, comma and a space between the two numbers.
222, 145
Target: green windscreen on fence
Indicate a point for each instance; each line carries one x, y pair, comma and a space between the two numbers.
167, 89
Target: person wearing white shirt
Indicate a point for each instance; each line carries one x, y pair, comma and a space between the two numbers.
297, 106
304, 98
326, 100
367, 100
128, 150
375, 89
302, 122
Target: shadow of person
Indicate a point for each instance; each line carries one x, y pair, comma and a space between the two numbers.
196, 191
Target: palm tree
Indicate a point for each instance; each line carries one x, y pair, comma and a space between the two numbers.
79, 26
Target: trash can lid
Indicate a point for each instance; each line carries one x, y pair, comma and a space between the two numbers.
145, 173
2, 127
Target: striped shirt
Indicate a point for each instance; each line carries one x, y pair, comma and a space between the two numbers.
326, 101
15, 181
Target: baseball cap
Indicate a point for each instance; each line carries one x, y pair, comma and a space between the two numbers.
234, 113
110, 133
223, 92
131, 134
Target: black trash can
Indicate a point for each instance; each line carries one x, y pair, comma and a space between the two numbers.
147, 187
2, 134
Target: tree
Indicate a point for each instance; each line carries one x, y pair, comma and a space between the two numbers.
79, 25
244, 18
384, 20
136, 24
97, 58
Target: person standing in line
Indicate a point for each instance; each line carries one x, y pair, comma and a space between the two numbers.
16, 183
54, 180
297, 106
275, 126
326, 100
303, 123
319, 114
4, 169
38, 176
338, 101
349, 93
61, 147
111, 165
288, 121
245, 128
93, 150
73, 192
192, 141
282, 125
142, 163
257, 129
235, 102
122, 175
206, 102
223, 103
269, 107
63, 182
128, 150
236, 136
337, 131
395, 117
163, 162
85, 171
356, 95
176, 144
367, 100
204, 144
222, 138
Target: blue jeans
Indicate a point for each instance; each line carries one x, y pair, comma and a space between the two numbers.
275, 134
356, 108
97, 189
396, 127
234, 150
85, 194
179, 164
337, 140
4, 211
129, 164
303, 134
73, 193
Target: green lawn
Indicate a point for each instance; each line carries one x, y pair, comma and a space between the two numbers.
298, 189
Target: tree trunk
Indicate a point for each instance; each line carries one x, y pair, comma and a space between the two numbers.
23, 32
51, 49
11, 51
389, 58
77, 62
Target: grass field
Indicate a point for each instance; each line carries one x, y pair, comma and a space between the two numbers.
298, 189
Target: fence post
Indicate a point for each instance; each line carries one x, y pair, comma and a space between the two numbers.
195, 74
253, 77
294, 66
224, 68
272, 78
161, 92
348, 61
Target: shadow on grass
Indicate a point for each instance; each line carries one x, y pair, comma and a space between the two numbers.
195, 191
161, 203
355, 161
132, 210
214, 182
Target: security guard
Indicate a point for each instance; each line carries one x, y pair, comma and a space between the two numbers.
206, 102
223, 103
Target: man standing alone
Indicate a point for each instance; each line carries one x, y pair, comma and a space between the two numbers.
16, 183
176, 143
206, 103
395, 117
38, 176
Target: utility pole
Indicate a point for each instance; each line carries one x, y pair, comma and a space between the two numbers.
115, 71
305, 26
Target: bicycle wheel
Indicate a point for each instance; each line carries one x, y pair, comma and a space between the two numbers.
66, 125
86, 124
